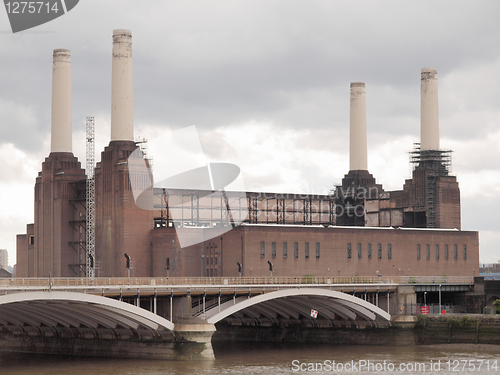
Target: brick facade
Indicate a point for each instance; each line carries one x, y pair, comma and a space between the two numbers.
254, 245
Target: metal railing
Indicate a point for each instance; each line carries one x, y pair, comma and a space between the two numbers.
435, 279
74, 282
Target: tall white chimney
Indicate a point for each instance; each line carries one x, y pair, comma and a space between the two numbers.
122, 97
429, 112
61, 102
357, 132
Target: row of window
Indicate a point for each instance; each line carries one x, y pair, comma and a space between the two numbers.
446, 252
285, 249
360, 252
389, 251
212, 260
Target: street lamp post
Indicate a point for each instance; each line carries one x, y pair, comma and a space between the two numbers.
173, 254
239, 267
439, 298
128, 263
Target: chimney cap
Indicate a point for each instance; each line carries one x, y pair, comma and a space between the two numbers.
61, 55
429, 70
122, 32
357, 84
62, 51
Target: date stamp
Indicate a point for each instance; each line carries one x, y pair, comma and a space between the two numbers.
25, 15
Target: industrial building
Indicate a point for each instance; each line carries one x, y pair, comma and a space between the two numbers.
358, 229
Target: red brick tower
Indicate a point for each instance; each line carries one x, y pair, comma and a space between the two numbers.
121, 226
59, 217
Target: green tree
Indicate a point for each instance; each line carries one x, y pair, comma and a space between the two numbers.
497, 306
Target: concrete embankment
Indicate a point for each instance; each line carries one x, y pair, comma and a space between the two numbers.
458, 329
421, 330
192, 341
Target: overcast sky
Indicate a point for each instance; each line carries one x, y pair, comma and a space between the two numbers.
267, 85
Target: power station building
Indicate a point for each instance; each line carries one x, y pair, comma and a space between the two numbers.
358, 229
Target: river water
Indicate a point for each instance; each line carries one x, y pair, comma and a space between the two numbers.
269, 359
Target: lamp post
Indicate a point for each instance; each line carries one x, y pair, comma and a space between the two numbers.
128, 263
173, 255
239, 267
270, 267
439, 298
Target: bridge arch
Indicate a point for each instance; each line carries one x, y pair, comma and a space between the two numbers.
58, 310
295, 302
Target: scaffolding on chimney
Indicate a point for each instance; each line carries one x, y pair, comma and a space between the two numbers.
90, 166
436, 163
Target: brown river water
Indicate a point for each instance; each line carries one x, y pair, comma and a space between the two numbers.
269, 359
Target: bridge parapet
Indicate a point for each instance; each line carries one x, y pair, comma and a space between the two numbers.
74, 282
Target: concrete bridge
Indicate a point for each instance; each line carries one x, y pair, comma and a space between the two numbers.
175, 318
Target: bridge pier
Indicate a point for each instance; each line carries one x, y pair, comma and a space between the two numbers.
193, 339
181, 308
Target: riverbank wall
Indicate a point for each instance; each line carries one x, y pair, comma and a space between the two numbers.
419, 330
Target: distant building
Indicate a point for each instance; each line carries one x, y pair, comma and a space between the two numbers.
4, 259
5, 273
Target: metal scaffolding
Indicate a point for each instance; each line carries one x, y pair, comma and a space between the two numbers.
90, 232
436, 163
198, 208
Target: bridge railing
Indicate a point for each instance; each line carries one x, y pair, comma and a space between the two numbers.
74, 282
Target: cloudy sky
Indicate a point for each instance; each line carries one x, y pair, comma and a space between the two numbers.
267, 85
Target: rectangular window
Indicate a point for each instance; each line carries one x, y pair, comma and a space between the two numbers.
446, 252
465, 252
317, 249
359, 251
296, 250
418, 251
428, 250
437, 252
369, 251
31, 240
348, 251
274, 250
455, 252
285, 249
379, 251
389, 251
262, 249
307, 249
216, 260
